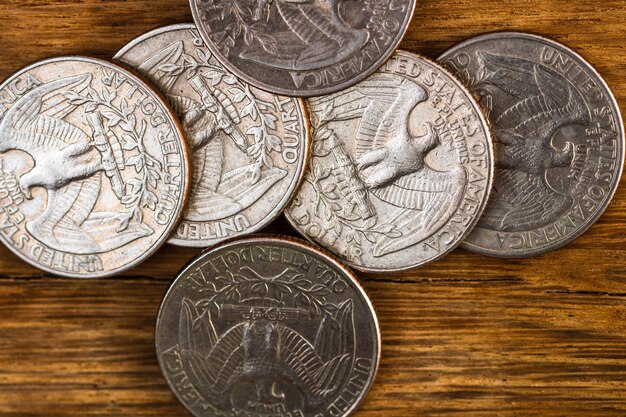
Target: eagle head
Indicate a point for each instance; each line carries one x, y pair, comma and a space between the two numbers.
427, 142
561, 158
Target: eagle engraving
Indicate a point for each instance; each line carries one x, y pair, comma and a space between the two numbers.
542, 102
261, 349
68, 163
318, 36
391, 161
209, 122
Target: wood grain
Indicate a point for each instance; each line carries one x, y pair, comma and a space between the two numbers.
467, 336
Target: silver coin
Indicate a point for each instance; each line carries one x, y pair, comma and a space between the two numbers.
302, 47
401, 168
249, 147
94, 171
558, 136
266, 326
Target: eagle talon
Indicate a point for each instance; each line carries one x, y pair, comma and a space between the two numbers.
370, 159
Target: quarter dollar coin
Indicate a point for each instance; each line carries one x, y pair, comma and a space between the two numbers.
559, 141
249, 147
267, 326
94, 170
401, 169
302, 48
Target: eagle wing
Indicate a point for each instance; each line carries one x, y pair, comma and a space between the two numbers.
208, 165
67, 209
183, 105
307, 22
85, 200
546, 99
36, 119
428, 199
197, 331
524, 202
386, 93
36, 122
213, 362
320, 370
336, 335
346, 105
209, 159
369, 101
155, 67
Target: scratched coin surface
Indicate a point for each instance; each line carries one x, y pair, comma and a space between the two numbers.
559, 141
94, 170
249, 147
267, 326
302, 47
401, 168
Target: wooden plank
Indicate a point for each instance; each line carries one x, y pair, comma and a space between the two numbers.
467, 336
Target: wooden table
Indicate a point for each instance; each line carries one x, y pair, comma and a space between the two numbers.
467, 336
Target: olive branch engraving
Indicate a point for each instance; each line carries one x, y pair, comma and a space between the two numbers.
327, 207
265, 141
246, 284
238, 16
480, 86
139, 193
330, 199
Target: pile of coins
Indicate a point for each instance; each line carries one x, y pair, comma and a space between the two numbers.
510, 145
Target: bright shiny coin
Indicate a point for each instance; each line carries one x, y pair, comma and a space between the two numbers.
94, 171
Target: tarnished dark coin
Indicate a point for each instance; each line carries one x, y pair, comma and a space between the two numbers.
302, 47
94, 170
249, 147
266, 326
559, 141
401, 168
